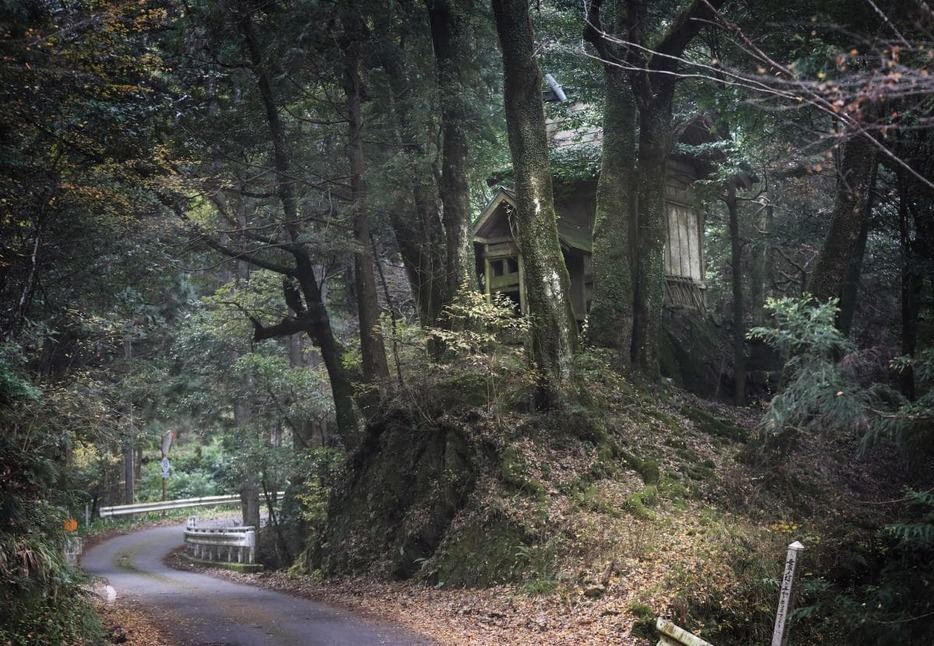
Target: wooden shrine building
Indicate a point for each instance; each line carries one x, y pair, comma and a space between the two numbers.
499, 263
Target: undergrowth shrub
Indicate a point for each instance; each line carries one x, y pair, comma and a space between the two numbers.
875, 583
477, 351
727, 594
41, 598
815, 393
892, 603
909, 422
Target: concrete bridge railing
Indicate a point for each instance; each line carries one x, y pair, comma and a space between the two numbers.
224, 545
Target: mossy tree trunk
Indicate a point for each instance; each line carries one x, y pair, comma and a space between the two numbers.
430, 224
655, 140
553, 328
760, 276
916, 231
413, 210
652, 75
739, 312
856, 176
611, 311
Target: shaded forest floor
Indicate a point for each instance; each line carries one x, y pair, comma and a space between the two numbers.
677, 512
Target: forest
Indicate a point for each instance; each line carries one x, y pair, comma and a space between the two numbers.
600, 302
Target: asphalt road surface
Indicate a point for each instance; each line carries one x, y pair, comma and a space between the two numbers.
199, 610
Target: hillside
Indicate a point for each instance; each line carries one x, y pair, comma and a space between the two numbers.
588, 523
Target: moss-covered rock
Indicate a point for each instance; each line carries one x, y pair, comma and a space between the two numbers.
402, 489
647, 468
487, 548
638, 503
513, 473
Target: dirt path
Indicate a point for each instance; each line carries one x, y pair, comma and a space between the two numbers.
197, 610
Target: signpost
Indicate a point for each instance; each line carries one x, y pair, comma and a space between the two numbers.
784, 599
167, 442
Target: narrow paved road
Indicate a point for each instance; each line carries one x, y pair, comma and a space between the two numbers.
200, 610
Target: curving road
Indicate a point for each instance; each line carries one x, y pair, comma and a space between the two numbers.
199, 610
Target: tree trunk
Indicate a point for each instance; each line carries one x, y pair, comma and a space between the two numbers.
652, 73
610, 318
317, 324
417, 229
448, 43
916, 215
372, 349
850, 295
553, 328
415, 219
761, 263
856, 175
314, 319
655, 140
129, 463
911, 285
739, 316
249, 504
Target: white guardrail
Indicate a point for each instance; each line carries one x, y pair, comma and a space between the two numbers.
142, 508
221, 545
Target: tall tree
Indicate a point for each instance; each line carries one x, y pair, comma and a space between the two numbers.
845, 241
429, 87
553, 329
77, 151
736, 284
449, 42
282, 200
653, 70
614, 235
353, 37
859, 85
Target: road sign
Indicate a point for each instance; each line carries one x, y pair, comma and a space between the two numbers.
167, 442
165, 467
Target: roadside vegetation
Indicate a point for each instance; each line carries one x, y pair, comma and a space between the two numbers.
639, 502
237, 235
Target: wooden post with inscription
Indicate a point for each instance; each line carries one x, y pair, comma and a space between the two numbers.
780, 633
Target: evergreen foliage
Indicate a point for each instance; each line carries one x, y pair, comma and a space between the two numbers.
908, 422
815, 393
41, 597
